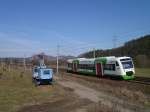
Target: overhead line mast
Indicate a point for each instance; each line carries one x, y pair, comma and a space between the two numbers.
57, 72
93, 52
24, 62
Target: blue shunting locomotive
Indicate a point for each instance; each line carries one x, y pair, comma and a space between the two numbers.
42, 75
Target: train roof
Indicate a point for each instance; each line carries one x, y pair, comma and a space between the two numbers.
70, 60
79, 59
86, 59
41, 67
123, 57
108, 58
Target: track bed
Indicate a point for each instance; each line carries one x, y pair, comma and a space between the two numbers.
79, 93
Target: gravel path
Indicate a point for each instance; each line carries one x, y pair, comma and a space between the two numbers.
97, 96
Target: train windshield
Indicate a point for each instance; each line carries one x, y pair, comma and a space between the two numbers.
127, 64
46, 72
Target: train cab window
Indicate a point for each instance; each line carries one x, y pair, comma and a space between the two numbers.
113, 67
35, 70
46, 72
39, 71
117, 64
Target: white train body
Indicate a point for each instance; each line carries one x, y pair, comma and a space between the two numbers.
114, 66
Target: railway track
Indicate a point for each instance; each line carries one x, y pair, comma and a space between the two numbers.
141, 80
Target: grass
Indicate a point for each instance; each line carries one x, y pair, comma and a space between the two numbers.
17, 90
142, 72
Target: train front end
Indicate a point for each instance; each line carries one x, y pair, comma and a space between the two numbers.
127, 68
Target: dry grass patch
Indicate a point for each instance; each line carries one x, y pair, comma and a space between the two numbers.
17, 90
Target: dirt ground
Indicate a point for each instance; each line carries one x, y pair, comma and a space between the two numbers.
88, 94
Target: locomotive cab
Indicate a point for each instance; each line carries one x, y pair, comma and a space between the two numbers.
42, 75
127, 67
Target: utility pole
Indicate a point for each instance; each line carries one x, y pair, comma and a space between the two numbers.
41, 60
9, 60
93, 52
57, 72
24, 62
0, 62
11, 64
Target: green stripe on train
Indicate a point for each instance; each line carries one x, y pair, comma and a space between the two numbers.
75, 61
84, 71
125, 77
93, 73
102, 60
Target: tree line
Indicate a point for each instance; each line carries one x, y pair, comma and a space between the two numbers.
138, 49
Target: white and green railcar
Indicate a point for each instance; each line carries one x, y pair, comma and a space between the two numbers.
102, 66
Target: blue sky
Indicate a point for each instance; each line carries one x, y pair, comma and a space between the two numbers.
33, 26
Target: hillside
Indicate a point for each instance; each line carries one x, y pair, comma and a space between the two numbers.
49, 60
138, 49
34, 60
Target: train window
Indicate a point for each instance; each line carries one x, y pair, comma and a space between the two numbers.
117, 64
35, 70
85, 66
127, 64
39, 71
69, 65
110, 67
46, 72
126, 59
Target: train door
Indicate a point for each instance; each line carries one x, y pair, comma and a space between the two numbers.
74, 67
99, 69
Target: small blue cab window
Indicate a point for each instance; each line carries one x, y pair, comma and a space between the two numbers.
46, 72
35, 70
